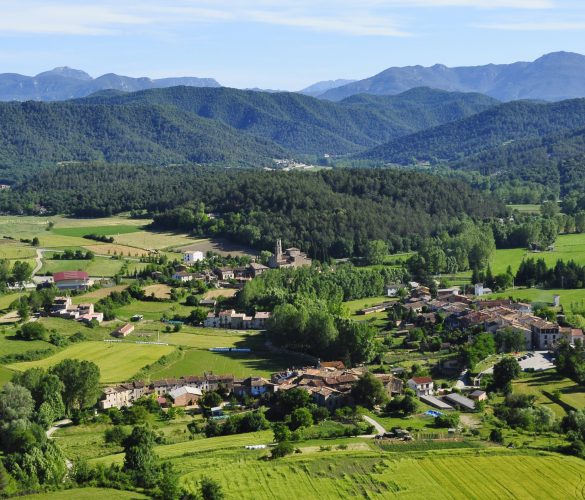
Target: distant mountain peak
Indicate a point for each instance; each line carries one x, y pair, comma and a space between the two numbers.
66, 72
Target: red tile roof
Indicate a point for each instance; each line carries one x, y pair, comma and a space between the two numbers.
422, 380
70, 275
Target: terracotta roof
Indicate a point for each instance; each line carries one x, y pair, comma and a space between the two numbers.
422, 380
70, 275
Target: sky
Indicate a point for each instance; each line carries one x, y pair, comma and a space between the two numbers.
280, 44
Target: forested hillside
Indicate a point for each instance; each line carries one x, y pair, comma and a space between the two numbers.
208, 125
327, 213
495, 127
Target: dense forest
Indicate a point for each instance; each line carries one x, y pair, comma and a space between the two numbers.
182, 125
327, 213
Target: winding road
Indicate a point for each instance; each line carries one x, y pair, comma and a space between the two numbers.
54, 428
379, 428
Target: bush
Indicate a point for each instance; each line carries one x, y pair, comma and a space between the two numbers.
116, 435
496, 436
33, 331
282, 449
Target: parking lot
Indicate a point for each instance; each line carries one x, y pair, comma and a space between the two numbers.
536, 360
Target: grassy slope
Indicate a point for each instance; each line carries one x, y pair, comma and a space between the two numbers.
117, 362
369, 472
86, 494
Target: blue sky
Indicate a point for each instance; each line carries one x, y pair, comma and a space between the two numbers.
280, 44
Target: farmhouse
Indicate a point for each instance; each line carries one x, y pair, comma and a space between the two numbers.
231, 319
256, 269
72, 280
224, 273
255, 386
124, 330
185, 396
192, 256
182, 276
423, 386
478, 395
63, 307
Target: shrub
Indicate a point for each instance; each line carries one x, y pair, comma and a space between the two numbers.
282, 449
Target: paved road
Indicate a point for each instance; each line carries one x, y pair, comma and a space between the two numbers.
39, 261
378, 427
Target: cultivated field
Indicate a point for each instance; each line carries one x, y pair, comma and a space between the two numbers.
109, 230
372, 473
219, 246
153, 240
117, 361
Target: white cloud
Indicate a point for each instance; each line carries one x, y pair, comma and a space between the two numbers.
107, 17
544, 26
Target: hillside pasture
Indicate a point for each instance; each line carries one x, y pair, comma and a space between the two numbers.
117, 362
152, 310
87, 494
152, 240
12, 250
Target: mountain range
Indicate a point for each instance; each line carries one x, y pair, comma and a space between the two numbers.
552, 77
66, 83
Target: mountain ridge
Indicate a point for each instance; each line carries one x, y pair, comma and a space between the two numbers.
552, 77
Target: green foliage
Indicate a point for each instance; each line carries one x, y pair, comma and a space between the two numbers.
211, 489
570, 361
368, 391
80, 383
505, 371
299, 418
282, 449
140, 460
34, 331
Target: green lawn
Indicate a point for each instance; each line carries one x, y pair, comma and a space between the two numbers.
353, 306
10, 344
16, 251
117, 361
110, 230
6, 300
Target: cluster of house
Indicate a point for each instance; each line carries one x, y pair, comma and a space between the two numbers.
231, 319
63, 307
329, 385
290, 257
424, 387
464, 312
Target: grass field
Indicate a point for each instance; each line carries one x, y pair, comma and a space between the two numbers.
219, 246
117, 361
6, 300
539, 295
9, 344
110, 230
96, 295
196, 361
5, 375
567, 247
100, 266
526, 209
159, 291
221, 292
152, 310
538, 383
371, 473
116, 249
154, 240
87, 494
15, 250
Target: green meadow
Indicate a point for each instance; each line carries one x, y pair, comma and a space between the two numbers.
110, 230
117, 362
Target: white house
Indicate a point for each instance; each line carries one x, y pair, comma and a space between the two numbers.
423, 386
190, 257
